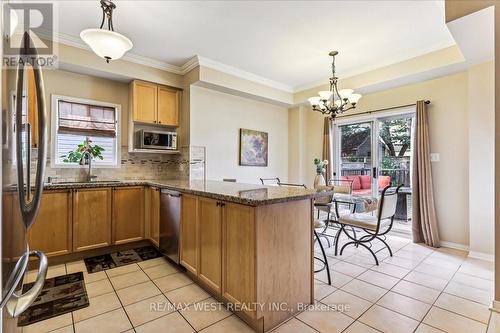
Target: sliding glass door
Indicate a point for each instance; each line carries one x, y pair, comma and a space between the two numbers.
355, 156
374, 152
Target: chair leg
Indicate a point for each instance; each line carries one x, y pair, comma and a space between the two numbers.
337, 238
324, 257
386, 245
363, 245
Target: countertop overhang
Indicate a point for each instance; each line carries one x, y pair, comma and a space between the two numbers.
246, 194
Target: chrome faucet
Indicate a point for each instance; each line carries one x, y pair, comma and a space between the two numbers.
87, 160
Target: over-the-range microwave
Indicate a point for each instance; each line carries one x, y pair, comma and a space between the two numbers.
148, 139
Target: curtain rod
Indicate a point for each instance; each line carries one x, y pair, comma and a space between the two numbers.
384, 109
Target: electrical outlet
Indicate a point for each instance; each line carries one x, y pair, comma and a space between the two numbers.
435, 157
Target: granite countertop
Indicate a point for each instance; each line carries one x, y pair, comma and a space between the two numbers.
247, 194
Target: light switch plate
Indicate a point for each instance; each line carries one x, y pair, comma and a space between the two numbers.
435, 157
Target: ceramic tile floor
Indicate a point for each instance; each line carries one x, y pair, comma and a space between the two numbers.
419, 289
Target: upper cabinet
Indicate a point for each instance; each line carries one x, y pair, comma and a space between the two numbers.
155, 104
144, 101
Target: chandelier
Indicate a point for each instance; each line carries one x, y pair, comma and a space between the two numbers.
107, 44
334, 102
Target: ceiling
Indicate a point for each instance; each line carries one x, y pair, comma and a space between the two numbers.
286, 42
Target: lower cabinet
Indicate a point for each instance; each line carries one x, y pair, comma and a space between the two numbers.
189, 233
218, 246
238, 255
52, 232
128, 214
91, 218
210, 243
154, 216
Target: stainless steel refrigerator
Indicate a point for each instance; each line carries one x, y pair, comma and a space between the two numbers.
23, 167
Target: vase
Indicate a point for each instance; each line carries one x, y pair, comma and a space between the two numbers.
319, 180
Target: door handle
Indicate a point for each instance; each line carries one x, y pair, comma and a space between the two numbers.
374, 172
17, 304
29, 208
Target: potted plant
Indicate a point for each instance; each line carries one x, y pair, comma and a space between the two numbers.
319, 180
83, 154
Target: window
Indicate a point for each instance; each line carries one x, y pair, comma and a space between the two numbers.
74, 119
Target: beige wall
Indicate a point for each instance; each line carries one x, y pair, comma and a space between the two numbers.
448, 125
64, 83
216, 118
481, 119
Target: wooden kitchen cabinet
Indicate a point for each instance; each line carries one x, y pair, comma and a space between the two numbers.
155, 104
154, 216
210, 243
168, 106
189, 233
144, 101
238, 255
128, 214
52, 231
91, 218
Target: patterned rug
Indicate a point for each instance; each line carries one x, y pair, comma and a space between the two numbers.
121, 258
60, 295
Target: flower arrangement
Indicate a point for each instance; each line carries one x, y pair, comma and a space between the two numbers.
83, 152
320, 166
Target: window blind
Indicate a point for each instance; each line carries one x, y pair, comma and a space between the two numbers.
77, 118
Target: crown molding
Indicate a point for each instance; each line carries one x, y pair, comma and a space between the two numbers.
180, 70
243, 74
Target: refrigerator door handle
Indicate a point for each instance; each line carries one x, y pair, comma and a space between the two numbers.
29, 208
17, 304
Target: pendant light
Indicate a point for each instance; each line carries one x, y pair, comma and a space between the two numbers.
107, 44
334, 101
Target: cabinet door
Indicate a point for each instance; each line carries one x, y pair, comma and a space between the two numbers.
144, 99
210, 240
91, 218
168, 106
189, 233
128, 214
238, 255
154, 216
52, 231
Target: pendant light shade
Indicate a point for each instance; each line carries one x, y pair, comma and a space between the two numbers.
106, 44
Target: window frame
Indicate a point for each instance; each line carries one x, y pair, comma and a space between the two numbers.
54, 125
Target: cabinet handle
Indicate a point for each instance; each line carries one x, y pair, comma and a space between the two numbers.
222, 204
217, 204
159, 121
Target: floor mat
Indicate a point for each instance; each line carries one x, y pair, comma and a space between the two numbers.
60, 295
121, 258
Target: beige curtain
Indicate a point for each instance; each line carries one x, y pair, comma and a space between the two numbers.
328, 148
424, 220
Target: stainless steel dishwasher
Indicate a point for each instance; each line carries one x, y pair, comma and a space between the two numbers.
170, 217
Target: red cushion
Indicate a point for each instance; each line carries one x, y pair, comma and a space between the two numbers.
383, 181
366, 182
356, 183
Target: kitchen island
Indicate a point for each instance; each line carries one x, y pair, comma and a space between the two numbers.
250, 246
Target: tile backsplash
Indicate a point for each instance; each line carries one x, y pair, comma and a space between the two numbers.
189, 164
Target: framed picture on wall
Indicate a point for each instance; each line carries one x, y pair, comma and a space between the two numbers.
253, 148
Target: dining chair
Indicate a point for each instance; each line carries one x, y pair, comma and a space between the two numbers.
375, 226
270, 181
317, 225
